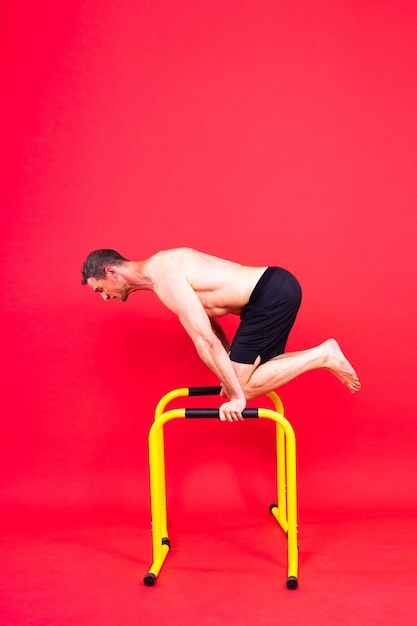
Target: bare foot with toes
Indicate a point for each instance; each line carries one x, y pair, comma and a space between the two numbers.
337, 363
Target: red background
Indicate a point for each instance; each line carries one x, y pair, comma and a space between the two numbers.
257, 131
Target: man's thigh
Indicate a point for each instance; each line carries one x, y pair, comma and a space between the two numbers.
244, 371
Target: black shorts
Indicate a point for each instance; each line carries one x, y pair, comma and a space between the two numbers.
268, 317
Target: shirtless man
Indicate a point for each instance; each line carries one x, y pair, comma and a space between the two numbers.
199, 288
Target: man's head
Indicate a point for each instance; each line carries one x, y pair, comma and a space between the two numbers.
96, 263
100, 272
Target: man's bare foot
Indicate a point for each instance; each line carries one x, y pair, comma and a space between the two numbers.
338, 364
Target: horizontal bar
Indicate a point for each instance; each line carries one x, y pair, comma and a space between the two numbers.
204, 391
215, 413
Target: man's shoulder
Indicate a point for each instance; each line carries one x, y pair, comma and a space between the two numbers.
174, 261
174, 253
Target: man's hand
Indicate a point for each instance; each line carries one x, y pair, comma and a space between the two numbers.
231, 411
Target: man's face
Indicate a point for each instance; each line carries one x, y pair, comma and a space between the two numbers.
113, 287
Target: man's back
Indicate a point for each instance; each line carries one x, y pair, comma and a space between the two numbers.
221, 286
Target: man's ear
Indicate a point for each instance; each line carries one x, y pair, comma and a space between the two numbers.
111, 272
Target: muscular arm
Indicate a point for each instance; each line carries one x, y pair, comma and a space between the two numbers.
177, 294
219, 332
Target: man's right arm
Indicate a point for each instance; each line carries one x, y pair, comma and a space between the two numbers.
177, 294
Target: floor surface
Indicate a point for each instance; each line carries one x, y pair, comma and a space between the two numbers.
221, 569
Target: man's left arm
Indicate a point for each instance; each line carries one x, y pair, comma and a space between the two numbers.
220, 334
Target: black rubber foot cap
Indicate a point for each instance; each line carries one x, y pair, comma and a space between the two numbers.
149, 580
292, 582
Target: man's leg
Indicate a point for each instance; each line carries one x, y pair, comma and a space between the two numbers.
257, 380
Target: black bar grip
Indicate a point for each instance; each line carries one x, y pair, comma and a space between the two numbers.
204, 391
214, 413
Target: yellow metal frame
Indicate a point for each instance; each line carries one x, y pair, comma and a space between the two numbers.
284, 511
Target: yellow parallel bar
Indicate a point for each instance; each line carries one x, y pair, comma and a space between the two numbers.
285, 512
291, 488
281, 512
168, 397
160, 408
158, 563
277, 513
279, 407
158, 488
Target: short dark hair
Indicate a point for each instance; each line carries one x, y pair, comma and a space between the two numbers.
96, 263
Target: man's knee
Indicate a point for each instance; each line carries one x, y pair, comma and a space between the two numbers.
249, 382
252, 390
244, 371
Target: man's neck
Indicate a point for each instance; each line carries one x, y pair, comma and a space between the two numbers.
135, 275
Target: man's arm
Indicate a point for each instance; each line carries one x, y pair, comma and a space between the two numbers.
176, 293
219, 332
